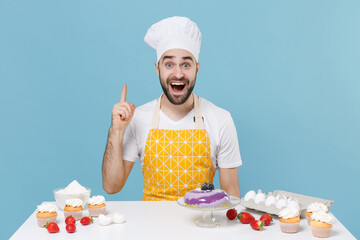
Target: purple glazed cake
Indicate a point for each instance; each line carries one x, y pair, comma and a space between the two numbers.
207, 198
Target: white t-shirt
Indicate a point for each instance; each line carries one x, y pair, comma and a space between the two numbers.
224, 146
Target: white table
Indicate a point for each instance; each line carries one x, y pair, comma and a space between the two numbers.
168, 220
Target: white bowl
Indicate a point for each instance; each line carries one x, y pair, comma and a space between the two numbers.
61, 197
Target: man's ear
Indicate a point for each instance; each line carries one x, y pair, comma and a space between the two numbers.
157, 68
197, 67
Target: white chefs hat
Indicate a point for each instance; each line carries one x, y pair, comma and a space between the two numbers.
174, 33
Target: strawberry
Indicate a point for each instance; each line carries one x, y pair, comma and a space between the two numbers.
86, 220
231, 214
257, 225
70, 228
52, 227
266, 218
245, 217
70, 220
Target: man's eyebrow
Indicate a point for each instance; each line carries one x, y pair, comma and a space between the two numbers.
188, 57
166, 56
184, 58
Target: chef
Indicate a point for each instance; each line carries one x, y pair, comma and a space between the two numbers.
179, 138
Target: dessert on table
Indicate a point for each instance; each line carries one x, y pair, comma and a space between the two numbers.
289, 220
315, 207
321, 224
96, 205
46, 213
207, 197
73, 207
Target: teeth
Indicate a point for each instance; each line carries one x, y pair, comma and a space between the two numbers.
178, 84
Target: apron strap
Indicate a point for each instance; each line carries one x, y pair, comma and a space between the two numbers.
199, 122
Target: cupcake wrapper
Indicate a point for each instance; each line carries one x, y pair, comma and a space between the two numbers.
308, 219
321, 232
43, 221
95, 212
289, 227
76, 215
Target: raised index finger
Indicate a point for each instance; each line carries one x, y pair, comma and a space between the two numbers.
123, 94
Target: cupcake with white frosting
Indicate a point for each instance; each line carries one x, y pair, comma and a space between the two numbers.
289, 220
321, 224
73, 207
46, 213
96, 206
315, 207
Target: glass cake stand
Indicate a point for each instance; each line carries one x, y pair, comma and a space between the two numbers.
208, 220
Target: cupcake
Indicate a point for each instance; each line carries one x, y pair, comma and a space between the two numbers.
96, 206
321, 224
315, 207
46, 213
289, 220
73, 207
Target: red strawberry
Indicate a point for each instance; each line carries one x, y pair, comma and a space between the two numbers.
231, 214
70, 228
52, 227
86, 220
257, 225
266, 218
245, 217
70, 220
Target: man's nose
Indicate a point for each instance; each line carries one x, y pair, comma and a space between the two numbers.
178, 73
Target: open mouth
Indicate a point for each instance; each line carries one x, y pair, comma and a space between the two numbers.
177, 87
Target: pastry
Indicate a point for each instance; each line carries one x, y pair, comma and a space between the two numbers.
321, 224
96, 206
315, 207
207, 197
289, 220
46, 213
73, 207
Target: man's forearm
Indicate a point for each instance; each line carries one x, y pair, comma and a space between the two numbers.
229, 181
113, 171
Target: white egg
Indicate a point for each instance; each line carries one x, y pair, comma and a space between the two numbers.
293, 204
118, 218
281, 203
249, 195
104, 220
270, 200
260, 197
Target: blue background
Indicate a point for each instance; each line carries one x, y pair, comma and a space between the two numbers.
288, 71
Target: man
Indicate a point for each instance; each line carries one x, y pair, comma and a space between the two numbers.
180, 139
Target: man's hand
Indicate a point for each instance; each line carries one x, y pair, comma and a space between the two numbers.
115, 170
122, 112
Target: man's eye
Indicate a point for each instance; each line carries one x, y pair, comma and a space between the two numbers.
168, 65
186, 65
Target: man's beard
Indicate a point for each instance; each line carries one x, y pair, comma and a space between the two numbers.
177, 101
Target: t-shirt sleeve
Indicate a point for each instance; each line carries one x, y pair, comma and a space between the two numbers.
228, 150
130, 147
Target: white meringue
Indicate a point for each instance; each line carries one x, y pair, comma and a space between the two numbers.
104, 220
281, 203
260, 197
270, 200
118, 218
249, 195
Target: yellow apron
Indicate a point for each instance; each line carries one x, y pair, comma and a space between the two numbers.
176, 161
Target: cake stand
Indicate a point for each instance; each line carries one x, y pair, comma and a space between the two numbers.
208, 220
